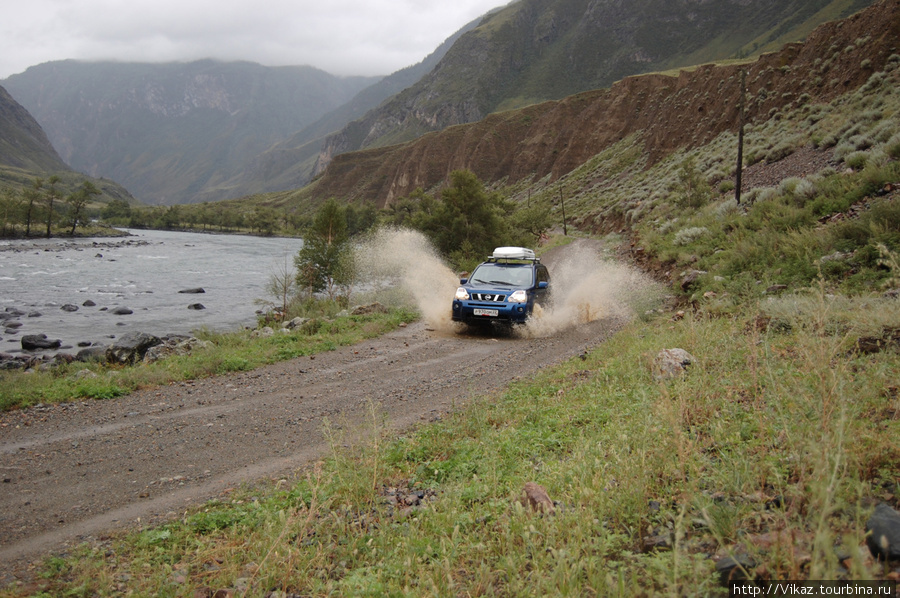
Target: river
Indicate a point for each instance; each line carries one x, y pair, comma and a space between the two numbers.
144, 273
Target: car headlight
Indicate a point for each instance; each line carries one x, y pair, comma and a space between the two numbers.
462, 294
519, 297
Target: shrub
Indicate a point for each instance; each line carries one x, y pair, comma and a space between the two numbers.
857, 160
686, 236
892, 147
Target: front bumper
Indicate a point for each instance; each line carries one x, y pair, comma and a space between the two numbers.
472, 312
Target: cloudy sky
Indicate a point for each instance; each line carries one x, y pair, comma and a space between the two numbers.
343, 37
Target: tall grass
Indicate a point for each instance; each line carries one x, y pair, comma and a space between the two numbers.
771, 446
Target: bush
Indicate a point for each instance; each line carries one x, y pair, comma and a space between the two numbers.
686, 236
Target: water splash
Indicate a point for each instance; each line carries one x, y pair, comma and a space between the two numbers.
401, 267
588, 287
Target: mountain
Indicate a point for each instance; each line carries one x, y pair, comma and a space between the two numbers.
23, 143
290, 163
660, 113
537, 50
174, 133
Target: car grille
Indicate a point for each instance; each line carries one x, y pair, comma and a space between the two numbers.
488, 297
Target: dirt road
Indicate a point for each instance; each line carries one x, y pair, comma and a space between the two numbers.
73, 471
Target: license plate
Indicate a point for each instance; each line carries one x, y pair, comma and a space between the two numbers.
486, 312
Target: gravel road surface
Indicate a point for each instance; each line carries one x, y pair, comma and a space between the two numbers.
72, 472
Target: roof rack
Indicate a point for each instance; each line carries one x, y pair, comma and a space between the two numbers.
513, 253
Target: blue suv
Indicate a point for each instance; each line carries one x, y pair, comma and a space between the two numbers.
504, 289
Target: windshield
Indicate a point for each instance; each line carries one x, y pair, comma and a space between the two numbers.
512, 275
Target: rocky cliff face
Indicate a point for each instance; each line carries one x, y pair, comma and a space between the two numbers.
667, 112
23, 143
535, 50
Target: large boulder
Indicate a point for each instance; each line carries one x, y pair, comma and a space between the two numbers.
131, 348
39, 342
883, 538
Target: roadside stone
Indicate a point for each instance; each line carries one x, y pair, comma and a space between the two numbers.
263, 332
131, 347
69, 307
175, 345
88, 303
13, 325
371, 308
689, 279
671, 363
883, 537
889, 339
657, 542
736, 568
295, 323
85, 374
39, 342
35, 314
122, 311
535, 497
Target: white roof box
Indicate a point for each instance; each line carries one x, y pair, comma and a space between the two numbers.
513, 253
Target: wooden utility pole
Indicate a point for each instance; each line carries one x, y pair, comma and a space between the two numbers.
740, 157
563, 204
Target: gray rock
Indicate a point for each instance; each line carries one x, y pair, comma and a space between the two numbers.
88, 303
196, 291
122, 311
196, 306
883, 538
13, 325
737, 568
295, 323
131, 347
35, 314
372, 308
175, 345
690, 278
69, 307
39, 342
97, 353
671, 363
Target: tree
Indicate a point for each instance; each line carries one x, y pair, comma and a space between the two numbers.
78, 201
468, 222
30, 198
118, 210
693, 189
281, 285
10, 207
50, 196
324, 263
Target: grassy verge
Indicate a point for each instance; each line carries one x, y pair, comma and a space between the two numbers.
773, 445
229, 352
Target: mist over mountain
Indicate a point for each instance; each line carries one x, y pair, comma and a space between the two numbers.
173, 133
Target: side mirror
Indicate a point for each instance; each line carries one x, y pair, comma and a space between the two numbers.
543, 284
463, 280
